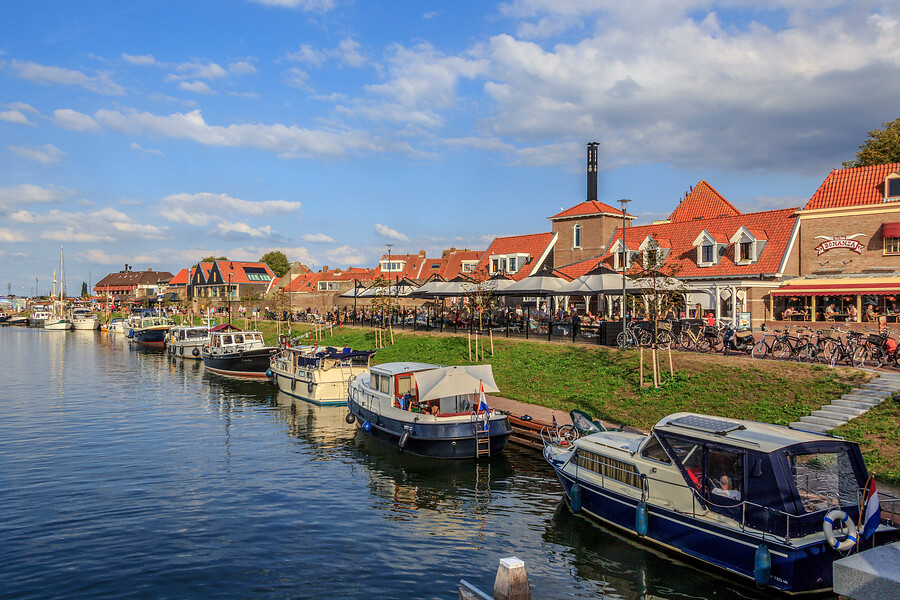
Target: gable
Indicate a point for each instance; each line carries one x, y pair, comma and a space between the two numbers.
703, 202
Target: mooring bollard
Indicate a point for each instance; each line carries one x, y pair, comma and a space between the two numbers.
512, 581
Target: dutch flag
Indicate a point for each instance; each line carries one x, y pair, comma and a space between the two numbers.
483, 405
872, 516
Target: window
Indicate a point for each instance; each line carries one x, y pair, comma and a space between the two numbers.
745, 250
328, 285
824, 480
392, 266
609, 467
577, 237
892, 244
655, 451
384, 385
707, 251
512, 265
892, 187
503, 264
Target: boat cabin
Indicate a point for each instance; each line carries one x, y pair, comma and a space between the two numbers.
190, 333
771, 478
431, 389
225, 342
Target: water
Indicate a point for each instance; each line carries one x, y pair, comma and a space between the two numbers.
126, 475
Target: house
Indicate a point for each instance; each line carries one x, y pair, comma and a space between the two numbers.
130, 285
226, 280
518, 256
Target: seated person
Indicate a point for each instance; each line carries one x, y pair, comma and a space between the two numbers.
404, 402
852, 312
435, 409
786, 315
725, 488
830, 311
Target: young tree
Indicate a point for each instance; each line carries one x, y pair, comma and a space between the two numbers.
277, 261
212, 258
882, 147
657, 280
84, 290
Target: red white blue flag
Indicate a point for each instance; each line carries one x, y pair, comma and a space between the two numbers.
483, 405
872, 516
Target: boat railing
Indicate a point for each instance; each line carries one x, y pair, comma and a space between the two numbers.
561, 436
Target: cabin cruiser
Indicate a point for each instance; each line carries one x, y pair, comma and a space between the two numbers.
82, 318
318, 375
430, 410
185, 341
116, 325
152, 331
238, 353
761, 501
18, 320
39, 316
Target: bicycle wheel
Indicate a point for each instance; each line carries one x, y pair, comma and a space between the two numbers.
760, 350
663, 340
781, 350
684, 341
625, 340
806, 352
830, 351
868, 357
702, 344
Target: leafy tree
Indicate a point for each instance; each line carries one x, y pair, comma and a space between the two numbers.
277, 261
84, 290
882, 147
212, 258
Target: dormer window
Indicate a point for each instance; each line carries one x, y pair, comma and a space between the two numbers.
507, 263
706, 253
707, 249
745, 251
892, 187
577, 237
747, 245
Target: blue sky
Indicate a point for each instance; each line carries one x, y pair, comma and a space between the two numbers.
155, 133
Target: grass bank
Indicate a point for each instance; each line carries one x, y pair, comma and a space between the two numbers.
605, 383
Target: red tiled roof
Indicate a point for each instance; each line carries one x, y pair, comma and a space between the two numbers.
852, 187
412, 262
703, 202
237, 271
534, 245
776, 225
452, 262
576, 270
589, 207
182, 277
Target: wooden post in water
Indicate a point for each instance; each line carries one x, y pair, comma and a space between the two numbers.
512, 581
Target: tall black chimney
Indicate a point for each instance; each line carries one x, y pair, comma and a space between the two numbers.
592, 171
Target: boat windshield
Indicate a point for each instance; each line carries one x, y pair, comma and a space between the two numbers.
824, 480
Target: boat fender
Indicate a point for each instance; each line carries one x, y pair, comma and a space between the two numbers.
575, 497
293, 384
269, 373
182, 350
275, 379
350, 418
640, 519
196, 352
404, 439
828, 526
310, 387
367, 427
762, 565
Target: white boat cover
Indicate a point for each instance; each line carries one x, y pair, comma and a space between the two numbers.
452, 381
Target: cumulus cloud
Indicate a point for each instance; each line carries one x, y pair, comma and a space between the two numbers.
144, 60
101, 83
297, 78
198, 209
317, 238
27, 193
305, 5
346, 255
71, 234
308, 55
46, 155
241, 67
392, 234
11, 236
236, 231
73, 120
136, 146
14, 116
82, 226
198, 87
23, 107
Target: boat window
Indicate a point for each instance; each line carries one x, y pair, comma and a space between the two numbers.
373, 380
226, 339
238, 339
690, 455
725, 473
385, 385
404, 385
654, 451
609, 467
824, 480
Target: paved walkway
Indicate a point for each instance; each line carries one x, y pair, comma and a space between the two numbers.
538, 413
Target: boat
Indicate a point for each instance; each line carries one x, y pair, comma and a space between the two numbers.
759, 501
38, 317
429, 410
58, 320
185, 341
318, 375
116, 325
237, 353
152, 331
19, 320
82, 318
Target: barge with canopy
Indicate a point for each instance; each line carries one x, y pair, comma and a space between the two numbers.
318, 375
761, 501
430, 410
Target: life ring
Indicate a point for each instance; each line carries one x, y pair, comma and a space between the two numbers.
828, 525
310, 387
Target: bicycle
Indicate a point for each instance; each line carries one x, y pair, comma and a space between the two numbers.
871, 352
693, 337
633, 336
837, 350
762, 348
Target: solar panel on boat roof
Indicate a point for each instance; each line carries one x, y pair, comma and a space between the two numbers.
706, 424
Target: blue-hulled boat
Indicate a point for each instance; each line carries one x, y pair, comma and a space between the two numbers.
429, 410
237, 353
761, 501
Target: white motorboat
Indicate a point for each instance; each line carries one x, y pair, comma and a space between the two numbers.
318, 375
186, 341
84, 319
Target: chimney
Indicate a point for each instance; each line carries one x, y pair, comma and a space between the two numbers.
592, 171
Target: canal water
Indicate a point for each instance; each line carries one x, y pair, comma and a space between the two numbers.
124, 474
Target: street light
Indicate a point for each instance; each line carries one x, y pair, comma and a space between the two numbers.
624, 202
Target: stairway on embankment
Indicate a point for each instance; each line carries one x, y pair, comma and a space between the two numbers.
851, 405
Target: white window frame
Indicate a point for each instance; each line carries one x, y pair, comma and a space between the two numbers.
887, 185
576, 236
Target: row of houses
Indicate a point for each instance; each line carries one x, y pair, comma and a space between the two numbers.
837, 257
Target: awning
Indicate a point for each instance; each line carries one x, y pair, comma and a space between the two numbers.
452, 381
838, 287
890, 230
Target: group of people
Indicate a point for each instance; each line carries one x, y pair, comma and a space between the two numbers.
412, 404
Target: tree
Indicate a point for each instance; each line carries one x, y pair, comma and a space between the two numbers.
212, 258
84, 290
882, 147
277, 261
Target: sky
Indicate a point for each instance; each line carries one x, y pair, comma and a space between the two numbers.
154, 133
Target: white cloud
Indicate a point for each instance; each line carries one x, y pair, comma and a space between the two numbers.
136, 146
14, 116
297, 78
241, 67
308, 55
23, 107
100, 83
232, 231
305, 5
117, 221
198, 70
197, 209
317, 238
144, 60
71, 234
393, 234
288, 141
11, 236
197, 87
32, 194
350, 55
73, 120
46, 155
346, 255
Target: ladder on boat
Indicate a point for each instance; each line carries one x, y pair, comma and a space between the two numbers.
482, 441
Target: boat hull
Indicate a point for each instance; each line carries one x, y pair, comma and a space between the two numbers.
186, 350
251, 363
452, 440
150, 337
292, 386
62, 325
801, 568
86, 324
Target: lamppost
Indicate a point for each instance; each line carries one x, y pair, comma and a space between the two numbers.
624, 202
229, 298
